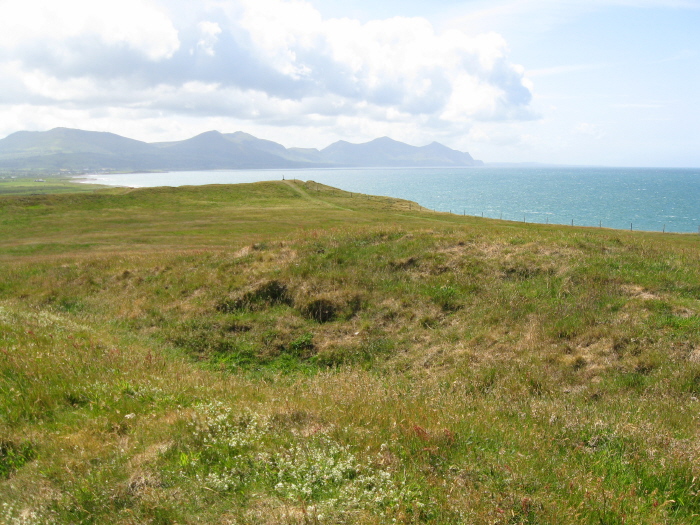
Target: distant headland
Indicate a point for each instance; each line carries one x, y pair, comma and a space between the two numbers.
78, 150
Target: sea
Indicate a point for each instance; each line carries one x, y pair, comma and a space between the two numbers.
651, 199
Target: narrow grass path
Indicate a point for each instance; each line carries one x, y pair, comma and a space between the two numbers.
307, 196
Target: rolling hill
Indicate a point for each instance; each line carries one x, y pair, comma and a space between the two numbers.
74, 149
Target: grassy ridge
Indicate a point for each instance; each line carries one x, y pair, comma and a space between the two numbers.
291, 353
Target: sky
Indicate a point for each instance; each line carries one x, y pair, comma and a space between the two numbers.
588, 82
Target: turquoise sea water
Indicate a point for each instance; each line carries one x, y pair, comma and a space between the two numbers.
653, 199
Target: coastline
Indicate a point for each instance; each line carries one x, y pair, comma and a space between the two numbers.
616, 198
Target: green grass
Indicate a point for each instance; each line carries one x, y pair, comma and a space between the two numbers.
42, 185
289, 353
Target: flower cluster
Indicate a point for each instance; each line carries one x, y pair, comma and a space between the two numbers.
10, 515
216, 425
328, 477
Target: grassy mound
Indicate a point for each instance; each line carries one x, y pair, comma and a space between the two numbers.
290, 353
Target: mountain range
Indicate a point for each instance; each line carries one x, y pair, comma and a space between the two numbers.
75, 149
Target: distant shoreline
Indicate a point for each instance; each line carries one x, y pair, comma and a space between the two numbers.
649, 199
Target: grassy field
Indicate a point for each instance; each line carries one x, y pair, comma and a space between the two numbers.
41, 185
291, 353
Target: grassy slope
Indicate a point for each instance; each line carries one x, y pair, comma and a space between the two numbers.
51, 184
289, 353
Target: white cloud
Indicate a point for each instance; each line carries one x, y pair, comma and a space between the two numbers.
209, 36
134, 23
50, 88
401, 63
260, 62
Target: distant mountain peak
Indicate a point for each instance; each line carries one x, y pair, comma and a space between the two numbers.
210, 133
241, 134
68, 148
